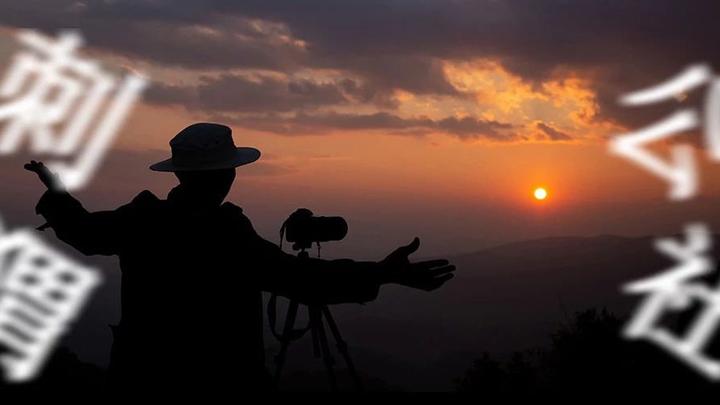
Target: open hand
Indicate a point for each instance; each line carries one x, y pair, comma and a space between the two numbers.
428, 275
48, 178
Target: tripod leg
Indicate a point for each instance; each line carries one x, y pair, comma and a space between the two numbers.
342, 347
313, 315
319, 328
285, 341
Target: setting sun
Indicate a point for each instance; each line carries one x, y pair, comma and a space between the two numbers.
540, 193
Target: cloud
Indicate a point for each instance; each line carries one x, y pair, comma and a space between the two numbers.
250, 94
266, 93
182, 35
394, 45
552, 133
320, 123
620, 45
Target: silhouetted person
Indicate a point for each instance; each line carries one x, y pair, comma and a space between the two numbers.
193, 269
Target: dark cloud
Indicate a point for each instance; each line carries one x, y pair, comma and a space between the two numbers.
622, 45
419, 74
305, 124
211, 35
245, 94
184, 34
552, 133
468, 127
399, 44
239, 93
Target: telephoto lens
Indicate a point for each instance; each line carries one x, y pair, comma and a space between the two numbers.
325, 229
303, 228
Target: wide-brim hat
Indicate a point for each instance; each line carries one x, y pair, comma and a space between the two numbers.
205, 146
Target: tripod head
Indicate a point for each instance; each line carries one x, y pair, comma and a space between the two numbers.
303, 254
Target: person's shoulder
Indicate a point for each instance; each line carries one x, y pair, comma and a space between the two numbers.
144, 199
234, 213
231, 209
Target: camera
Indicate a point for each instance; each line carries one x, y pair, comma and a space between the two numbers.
302, 228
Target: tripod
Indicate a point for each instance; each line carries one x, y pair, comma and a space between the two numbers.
319, 315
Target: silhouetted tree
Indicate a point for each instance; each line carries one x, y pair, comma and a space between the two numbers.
588, 354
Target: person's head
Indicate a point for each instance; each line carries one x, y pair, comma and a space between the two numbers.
209, 186
204, 158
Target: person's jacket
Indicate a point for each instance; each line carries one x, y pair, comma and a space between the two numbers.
191, 287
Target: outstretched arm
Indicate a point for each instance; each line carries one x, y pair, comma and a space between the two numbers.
344, 280
90, 233
312, 280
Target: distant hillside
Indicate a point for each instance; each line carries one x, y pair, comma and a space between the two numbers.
505, 298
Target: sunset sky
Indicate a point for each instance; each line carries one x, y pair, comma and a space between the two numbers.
428, 118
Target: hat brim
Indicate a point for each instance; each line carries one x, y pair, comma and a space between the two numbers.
243, 156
